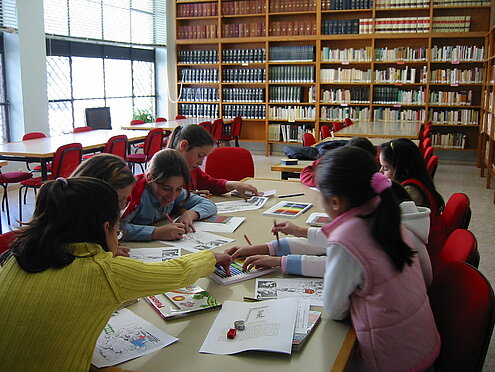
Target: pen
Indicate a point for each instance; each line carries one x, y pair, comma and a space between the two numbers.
290, 195
276, 233
247, 239
251, 299
169, 218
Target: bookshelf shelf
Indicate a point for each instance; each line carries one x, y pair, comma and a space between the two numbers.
368, 65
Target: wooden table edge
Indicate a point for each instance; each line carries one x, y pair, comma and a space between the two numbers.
345, 352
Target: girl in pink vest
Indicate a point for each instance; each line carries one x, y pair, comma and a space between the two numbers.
372, 274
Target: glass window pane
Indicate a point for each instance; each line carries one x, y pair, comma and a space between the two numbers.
143, 5
58, 78
144, 78
116, 24
59, 118
85, 19
145, 103
141, 28
87, 77
118, 78
80, 107
56, 17
120, 111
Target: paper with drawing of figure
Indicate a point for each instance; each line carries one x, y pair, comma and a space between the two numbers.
127, 336
199, 240
254, 202
310, 289
269, 326
154, 254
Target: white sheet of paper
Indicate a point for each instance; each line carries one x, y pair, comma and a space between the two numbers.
199, 240
228, 227
269, 193
302, 319
254, 202
127, 336
269, 327
154, 254
300, 288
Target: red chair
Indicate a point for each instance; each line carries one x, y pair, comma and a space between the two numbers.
308, 139
217, 130
424, 145
179, 117
65, 161
348, 122
116, 145
152, 144
137, 121
432, 166
30, 136
231, 163
457, 212
6, 240
236, 129
208, 126
463, 305
325, 131
461, 245
159, 120
336, 126
428, 154
82, 129
5, 180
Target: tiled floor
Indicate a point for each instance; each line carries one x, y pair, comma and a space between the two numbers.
450, 177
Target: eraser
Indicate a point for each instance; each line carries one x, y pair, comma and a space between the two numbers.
231, 333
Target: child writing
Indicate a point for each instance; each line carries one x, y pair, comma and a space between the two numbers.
159, 192
195, 143
61, 283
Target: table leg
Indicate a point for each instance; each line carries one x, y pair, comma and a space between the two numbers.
44, 171
284, 175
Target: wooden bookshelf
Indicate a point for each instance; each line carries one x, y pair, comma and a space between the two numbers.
397, 64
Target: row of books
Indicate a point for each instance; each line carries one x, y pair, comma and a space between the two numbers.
345, 95
342, 26
348, 75
257, 55
346, 54
400, 54
458, 98
402, 25
201, 31
329, 113
193, 75
286, 94
302, 53
394, 95
457, 53
196, 110
292, 28
457, 76
379, 4
246, 111
284, 6
451, 24
197, 10
200, 94
398, 114
252, 29
292, 74
346, 4
197, 56
454, 116
243, 7
244, 75
288, 132
406, 75
461, 2
243, 95
449, 140
292, 113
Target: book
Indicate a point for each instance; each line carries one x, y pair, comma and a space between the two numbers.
318, 219
288, 209
182, 302
236, 273
300, 339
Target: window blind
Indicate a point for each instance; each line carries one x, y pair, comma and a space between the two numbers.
8, 15
135, 22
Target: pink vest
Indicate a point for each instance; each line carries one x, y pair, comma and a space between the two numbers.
394, 324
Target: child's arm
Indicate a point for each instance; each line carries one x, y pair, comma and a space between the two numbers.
242, 188
202, 206
247, 251
171, 231
290, 229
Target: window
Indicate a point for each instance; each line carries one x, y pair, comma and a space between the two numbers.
4, 136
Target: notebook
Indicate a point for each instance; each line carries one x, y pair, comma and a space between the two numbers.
236, 273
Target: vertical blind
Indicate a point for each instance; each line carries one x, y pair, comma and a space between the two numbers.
136, 22
8, 15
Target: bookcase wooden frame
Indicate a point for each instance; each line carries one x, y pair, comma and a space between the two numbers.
257, 130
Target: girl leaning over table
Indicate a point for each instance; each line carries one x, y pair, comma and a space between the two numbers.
60, 283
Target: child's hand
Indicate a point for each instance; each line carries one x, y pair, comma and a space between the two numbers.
289, 228
243, 188
248, 250
171, 231
261, 261
223, 260
187, 218
203, 193
122, 251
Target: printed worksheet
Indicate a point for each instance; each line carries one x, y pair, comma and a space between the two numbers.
127, 336
221, 224
254, 202
268, 326
154, 254
199, 240
310, 289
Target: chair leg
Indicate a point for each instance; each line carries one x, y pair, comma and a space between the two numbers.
20, 205
5, 201
25, 194
142, 167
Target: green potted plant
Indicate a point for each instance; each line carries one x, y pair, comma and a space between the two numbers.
144, 115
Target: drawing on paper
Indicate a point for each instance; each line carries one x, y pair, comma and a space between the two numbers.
311, 289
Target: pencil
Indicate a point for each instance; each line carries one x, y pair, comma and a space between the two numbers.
276, 233
169, 218
251, 299
247, 239
290, 195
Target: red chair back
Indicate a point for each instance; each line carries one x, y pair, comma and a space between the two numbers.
457, 212
231, 163
117, 145
82, 129
153, 143
463, 305
432, 166
348, 122
137, 121
6, 240
325, 131
424, 145
67, 158
207, 126
159, 120
236, 127
336, 126
461, 245
217, 129
308, 139
33, 135
428, 154
179, 117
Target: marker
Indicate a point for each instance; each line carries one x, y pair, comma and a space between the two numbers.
247, 239
169, 218
290, 195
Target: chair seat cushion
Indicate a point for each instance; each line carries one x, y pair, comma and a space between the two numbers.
12, 177
136, 158
35, 181
48, 167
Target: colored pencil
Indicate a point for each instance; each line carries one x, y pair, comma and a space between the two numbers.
290, 195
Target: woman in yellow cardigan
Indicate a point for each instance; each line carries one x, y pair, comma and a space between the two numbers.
61, 284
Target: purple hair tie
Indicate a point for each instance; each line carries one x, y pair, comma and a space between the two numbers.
63, 181
379, 182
